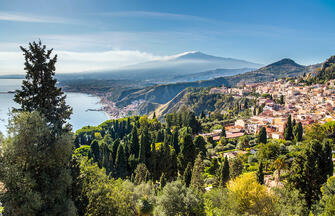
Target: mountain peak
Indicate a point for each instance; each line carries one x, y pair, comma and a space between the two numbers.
285, 61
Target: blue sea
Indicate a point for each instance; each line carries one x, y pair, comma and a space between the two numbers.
78, 101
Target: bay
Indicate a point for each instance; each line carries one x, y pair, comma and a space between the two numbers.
81, 103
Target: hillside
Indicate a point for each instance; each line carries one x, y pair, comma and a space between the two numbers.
280, 69
327, 70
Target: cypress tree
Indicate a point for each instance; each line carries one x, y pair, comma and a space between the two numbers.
187, 152
260, 174
134, 143
197, 181
121, 163
187, 174
262, 136
298, 132
288, 132
39, 91
224, 173
200, 145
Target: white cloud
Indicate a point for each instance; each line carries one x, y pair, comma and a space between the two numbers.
21, 17
69, 61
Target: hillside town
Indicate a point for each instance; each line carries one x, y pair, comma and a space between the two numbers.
306, 104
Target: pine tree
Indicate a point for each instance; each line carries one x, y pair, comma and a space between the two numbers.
262, 136
121, 163
288, 132
224, 173
39, 91
197, 180
260, 174
187, 174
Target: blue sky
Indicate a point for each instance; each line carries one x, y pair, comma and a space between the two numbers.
107, 34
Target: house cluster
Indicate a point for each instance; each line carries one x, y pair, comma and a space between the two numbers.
306, 104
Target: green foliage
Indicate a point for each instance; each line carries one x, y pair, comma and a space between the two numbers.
104, 196
35, 168
177, 199
289, 202
197, 180
224, 174
236, 167
260, 174
311, 168
141, 174
288, 132
39, 91
187, 174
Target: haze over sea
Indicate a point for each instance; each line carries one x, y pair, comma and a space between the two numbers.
78, 101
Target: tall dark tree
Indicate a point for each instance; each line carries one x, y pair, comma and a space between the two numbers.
262, 136
311, 169
187, 174
260, 173
223, 131
224, 173
39, 91
121, 163
288, 132
187, 152
282, 100
298, 132
134, 143
200, 145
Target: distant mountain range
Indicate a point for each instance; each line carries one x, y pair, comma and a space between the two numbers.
165, 70
160, 95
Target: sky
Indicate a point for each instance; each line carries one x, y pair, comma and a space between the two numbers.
92, 35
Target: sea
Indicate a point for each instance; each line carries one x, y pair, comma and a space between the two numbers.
82, 105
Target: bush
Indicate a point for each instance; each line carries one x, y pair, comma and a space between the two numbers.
252, 158
177, 199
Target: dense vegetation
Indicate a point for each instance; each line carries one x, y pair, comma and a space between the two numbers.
141, 166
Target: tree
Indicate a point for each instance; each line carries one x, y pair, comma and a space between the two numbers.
35, 168
162, 181
134, 143
298, 132
154, 115
260, 174
177, 199
187, 174
187, 152
282, 100
121, 163
197, 180
248, 197
39, 91
200, 145
141, 172
311, 168
262, 136
236, 167
224, 173
279, 164
288, 132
